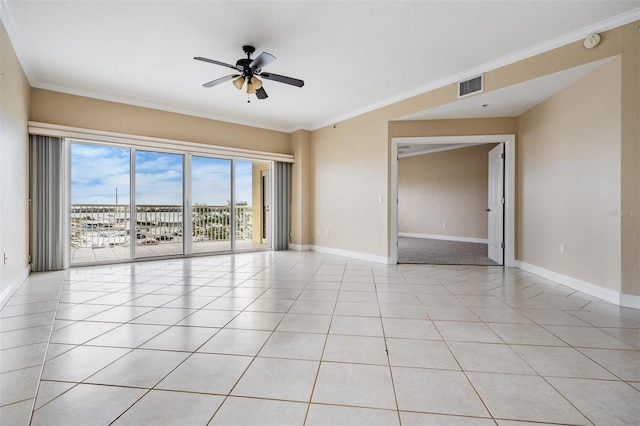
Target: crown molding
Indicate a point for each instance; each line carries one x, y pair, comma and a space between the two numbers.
10, 27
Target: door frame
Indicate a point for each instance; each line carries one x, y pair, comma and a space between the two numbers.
509, 141
266, 197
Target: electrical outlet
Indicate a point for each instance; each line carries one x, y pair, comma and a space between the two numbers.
561, 248
406, 223
326, 232
444, 225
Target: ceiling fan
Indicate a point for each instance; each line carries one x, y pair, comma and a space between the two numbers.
247, 70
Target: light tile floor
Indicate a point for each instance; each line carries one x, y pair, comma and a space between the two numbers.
290, 338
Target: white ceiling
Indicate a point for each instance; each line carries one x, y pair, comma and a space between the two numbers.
354, 56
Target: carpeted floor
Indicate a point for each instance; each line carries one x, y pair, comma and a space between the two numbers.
441, 252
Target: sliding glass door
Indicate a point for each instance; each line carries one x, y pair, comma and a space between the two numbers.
210, 204
182, 204
100, 203
158, 203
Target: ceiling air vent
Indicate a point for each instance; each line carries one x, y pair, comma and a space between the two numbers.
471, 86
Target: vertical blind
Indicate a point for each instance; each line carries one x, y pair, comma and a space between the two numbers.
49, 203
281, 205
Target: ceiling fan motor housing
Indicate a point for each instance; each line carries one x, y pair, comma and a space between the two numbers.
246, 68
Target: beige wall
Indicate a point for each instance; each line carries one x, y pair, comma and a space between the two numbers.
77, 111
14, 170
301, 188
444, 193
354, 157
569, 180
630, 153
454, 127
350, 171
349, 177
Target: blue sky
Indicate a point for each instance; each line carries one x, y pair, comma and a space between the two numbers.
96, 172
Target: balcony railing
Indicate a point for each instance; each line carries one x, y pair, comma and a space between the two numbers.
109, 225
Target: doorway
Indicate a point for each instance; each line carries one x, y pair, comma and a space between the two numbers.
508, 141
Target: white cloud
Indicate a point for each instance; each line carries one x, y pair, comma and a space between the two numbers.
97, 171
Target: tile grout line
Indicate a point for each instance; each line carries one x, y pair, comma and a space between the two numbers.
386, 347
46, 352
254, 357
462, 370
324, 347
531, 366
182, 362
109, 364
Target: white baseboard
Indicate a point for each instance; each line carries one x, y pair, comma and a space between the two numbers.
630, 301
8, 292
300, 247
356, 255
611, 296
444, 237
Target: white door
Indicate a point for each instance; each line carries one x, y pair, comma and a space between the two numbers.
496, 204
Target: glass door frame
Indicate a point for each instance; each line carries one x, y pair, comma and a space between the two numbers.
187, 214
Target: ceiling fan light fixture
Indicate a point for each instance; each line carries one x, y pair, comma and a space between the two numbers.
238, 82
256, 83
251, 89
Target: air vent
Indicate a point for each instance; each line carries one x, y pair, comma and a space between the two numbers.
471, 86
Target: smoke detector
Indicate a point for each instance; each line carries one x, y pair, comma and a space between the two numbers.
592, 41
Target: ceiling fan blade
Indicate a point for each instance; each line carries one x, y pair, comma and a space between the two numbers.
211, 61
262, 60
261, 93
220, 80
282, 79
